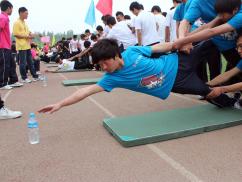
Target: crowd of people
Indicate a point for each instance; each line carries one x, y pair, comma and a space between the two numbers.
170, 51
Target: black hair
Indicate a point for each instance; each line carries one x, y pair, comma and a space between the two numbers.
164, 14
127, 17
104, 18
239, 33
5, 5
141, 6
227, 6
87, 31
74, 36
105, 49
22, 10
33, 45
99, 28
82, 36
177, 1
87, 44
134, 5
93, 37
111, 21
156, 8
119, 13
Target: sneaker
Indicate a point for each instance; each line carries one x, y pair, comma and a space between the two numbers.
237, 105
5, 113
38, 73
40, 78
26, 81
6, 87
16, 84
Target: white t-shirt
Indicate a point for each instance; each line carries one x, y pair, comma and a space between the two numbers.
67, 65
106, 31
160, 20
121, 32
171, 23
146, 22
73, 45
81, 44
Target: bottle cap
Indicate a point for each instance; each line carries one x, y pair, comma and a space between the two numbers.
31, 115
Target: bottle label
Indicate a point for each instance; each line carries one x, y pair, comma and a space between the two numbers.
33, 125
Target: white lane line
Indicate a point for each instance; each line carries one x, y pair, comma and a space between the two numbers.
177, 166
182, 170
4, 98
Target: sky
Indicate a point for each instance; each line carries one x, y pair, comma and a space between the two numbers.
61, 15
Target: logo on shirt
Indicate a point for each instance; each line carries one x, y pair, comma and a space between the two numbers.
152, 81
230, 35
137, 61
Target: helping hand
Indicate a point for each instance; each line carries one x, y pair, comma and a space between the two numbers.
216, 91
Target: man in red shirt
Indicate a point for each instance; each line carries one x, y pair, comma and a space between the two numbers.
6, 58
8, 76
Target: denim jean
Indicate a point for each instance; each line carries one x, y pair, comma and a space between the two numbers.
25, 58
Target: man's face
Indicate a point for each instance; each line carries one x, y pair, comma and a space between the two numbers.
135, 12
109, 65
9, 11
120, 18
239, 46
24, 15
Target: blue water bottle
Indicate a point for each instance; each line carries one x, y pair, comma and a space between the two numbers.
33, 129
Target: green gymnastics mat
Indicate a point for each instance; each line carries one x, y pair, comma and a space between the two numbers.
68, 71
160, 126
80, 82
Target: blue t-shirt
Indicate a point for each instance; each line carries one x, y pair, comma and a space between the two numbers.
140, 73
179, 13
204, 9
239, 65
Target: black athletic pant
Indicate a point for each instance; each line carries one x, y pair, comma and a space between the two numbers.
213, 60
187, 80
8, 73
1, 103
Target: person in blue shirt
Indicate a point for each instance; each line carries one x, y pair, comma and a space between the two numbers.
223, 20
213, 60
218, 90
136, 70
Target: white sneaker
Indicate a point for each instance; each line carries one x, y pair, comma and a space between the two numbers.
5, 113
6, 87
237, 105
16, 84
26, 81
38, 79
38, 73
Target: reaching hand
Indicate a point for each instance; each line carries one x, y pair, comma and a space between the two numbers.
186, 48
216, 91
50, 108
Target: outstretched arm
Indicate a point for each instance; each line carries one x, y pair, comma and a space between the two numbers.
224, 77
74, 98
203, 35
162, 47
217, 91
